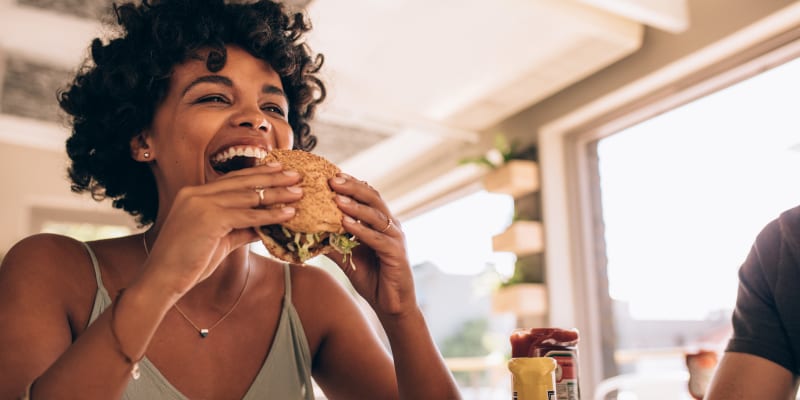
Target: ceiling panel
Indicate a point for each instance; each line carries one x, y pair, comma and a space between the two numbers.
87, 9
29, 89
438, 60
408, 80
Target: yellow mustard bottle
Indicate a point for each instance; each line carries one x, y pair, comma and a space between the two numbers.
533, 378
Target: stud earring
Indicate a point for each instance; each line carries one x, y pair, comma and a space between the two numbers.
146, 155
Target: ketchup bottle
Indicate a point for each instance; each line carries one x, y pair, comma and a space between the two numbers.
560, 344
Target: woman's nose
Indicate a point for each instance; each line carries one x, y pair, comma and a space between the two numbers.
258, 125
252, 120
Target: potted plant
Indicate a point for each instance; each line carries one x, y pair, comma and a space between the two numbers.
515, 172
511, 171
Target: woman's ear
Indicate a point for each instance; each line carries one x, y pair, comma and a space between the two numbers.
140, 148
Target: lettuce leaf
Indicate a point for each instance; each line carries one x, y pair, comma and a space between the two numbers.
344, 243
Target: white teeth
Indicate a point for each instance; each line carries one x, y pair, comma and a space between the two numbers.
240, 151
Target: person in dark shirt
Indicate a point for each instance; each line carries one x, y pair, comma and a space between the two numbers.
763, 355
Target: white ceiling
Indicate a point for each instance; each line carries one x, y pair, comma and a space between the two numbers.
429, 76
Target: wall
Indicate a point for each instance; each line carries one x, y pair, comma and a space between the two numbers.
38, 178
710, 21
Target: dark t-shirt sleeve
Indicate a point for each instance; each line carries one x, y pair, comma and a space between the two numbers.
757, 325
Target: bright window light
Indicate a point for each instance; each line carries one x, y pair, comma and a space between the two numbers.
685, 194
457, 237
85, 231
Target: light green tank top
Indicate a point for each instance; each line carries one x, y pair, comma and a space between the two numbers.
285, 374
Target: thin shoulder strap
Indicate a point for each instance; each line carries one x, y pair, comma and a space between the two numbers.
95, 265
287, 284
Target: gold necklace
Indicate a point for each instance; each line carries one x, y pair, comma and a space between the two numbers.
205, 331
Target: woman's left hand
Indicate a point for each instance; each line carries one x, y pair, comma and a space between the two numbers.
382, 274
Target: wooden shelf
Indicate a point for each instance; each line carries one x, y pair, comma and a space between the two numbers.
515, 178
525, 299
521, 238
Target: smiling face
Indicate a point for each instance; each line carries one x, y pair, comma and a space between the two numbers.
213, 122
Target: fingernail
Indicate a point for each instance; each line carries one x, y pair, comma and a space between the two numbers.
290, 173
349, 219
343, 199
273, 164
288, 210
339, 180
294, 189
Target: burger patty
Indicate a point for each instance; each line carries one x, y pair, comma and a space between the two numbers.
286, 238
277, 234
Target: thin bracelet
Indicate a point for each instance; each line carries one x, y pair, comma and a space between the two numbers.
27, 394
135, 371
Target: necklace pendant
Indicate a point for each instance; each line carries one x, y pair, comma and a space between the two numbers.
203, 333
135, 373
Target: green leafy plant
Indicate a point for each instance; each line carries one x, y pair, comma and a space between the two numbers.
468, 341
502, 152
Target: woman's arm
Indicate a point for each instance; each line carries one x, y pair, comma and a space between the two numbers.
352, 363
745, 376
383, 277
36, 341
421, 371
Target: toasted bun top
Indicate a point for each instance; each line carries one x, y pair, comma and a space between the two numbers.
316, 210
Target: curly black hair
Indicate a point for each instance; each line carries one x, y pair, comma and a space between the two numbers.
114, 96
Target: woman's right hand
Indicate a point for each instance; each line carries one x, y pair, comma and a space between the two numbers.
207, 222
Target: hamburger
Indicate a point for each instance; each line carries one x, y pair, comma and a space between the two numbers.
316, 227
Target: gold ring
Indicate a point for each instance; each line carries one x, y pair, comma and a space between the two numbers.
260, 192
388, 225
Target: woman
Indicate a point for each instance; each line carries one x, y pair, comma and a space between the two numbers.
185, 310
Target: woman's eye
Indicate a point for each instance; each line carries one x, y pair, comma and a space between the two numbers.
274, 109
213, 99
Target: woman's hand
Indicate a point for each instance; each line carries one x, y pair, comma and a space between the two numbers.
207, 222
382, 274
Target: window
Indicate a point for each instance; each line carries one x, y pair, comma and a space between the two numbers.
456, 271
81, 224
682, 196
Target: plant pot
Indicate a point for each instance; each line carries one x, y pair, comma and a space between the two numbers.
521, 238
515, 178
521, 299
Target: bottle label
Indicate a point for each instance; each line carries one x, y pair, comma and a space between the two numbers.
551, 395
566, 374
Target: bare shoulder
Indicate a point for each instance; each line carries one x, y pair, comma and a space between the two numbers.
46, 285
48, 264
43, 255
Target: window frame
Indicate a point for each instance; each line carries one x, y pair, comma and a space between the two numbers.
575, 248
